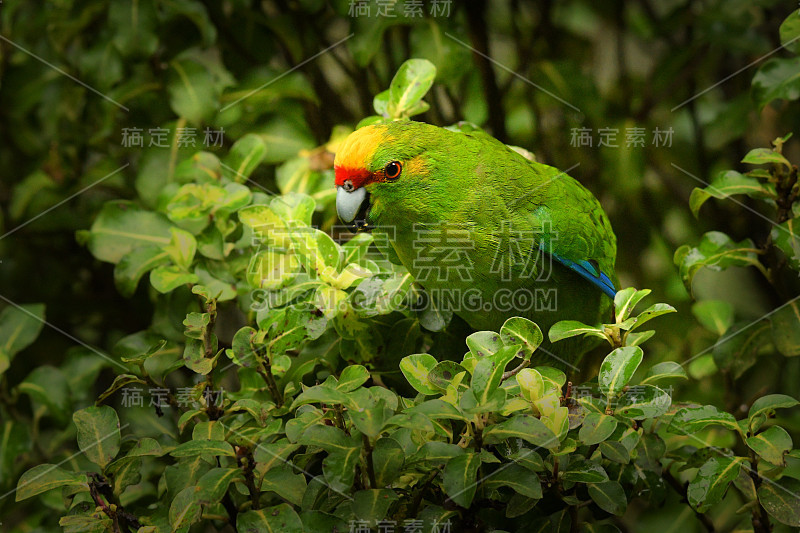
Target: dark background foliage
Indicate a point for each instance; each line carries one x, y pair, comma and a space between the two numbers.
77, 77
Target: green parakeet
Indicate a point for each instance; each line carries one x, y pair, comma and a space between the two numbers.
487, 232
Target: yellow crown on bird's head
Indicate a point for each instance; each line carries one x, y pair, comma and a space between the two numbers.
356, 152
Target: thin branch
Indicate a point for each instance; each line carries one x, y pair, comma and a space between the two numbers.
264, 369
476, 11
368, 460
515, 371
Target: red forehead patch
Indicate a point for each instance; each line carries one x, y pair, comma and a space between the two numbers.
359, 176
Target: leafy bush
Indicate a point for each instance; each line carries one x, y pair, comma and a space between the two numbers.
285, 376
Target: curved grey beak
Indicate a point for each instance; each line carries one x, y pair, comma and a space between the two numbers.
353, 207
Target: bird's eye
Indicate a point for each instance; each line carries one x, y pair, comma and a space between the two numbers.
392, 170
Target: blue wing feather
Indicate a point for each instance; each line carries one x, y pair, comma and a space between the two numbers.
589, 272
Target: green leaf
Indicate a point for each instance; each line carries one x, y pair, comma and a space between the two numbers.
729, 183
781, 499
210, 430
42, 478
316, 251
557, 420
381, 103
582, 471
767, 404
742, 344
443, 373
519, 478
352, 377
285, 138
370, 421
785, 237
320, 394
242, 351
388, 458
712, 481
214, 483
625, 300
196, 325
197, 14
637, 338
643, 401
650, 313
786, 329
194, 448
302, 175
86, 524
596, 428
195, 358
329, 438
145, 446
790, 32
777, 78
518, 330
274, 454
765, 156
245, 155
135, 264
609, 496
572, 328
664, 371
618, 368
771, 444
285, 482
339, 469
716, 251
185, 509
459, 478
434, 317
615, 451
437, 409
48, 386
98, 433
553, 377
715, 315
416, 368
436, 453
15, 441
133, 28
488, 373
181, 248
272, 269
278, 519
19, 327
692, 419
166, 279
380, 295
373, 505
413, 79
525, 427
484, 343
192, 92
317, 521
122, 226
531, 384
